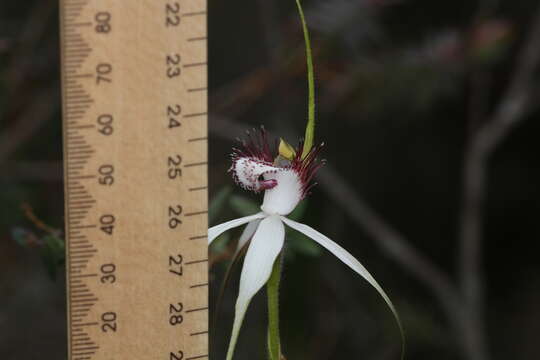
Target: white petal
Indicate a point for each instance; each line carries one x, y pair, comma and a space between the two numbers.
247, 234
347, 258
262, 253
217, 230
283, 198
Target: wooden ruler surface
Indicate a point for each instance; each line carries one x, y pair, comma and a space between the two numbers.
135, 154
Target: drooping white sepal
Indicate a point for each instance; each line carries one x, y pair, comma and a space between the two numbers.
217, 230
261, 255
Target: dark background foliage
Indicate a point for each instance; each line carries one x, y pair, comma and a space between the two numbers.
413, 107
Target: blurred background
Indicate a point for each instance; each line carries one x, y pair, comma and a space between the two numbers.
429, 112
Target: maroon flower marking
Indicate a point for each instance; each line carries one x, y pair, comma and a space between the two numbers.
257, 151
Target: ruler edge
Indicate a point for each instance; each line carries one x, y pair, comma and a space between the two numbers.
63, 77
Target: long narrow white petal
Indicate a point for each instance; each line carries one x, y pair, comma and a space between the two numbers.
217, 230
262, 253
347, 258
247, 234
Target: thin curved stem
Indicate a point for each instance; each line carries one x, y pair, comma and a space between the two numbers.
310, 127
272, 289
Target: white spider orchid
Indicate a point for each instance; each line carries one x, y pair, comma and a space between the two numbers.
285, 183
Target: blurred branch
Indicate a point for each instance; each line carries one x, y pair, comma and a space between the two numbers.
38, 223
515, 104
32, 171
480, 77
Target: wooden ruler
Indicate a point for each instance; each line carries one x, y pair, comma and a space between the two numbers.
135, 156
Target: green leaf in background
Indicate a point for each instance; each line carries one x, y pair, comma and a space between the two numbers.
53, 254
243, 205
218, 202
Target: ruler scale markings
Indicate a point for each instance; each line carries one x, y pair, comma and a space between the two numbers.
123, 217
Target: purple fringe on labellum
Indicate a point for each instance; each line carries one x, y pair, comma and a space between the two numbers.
257, 147
257, 151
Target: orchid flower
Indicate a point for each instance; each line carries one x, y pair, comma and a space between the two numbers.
284, 174
285, 177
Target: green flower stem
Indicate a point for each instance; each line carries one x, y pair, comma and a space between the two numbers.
272, 289
310, 127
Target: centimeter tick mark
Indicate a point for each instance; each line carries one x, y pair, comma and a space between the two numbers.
197, 357
198, 139
199, 333
195, 114
198, 285
198, 89
195, 213
195, 13
195, 64
196, 164
198, 309
196, 261
78, 76
84, 275
80, 24
200, 38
